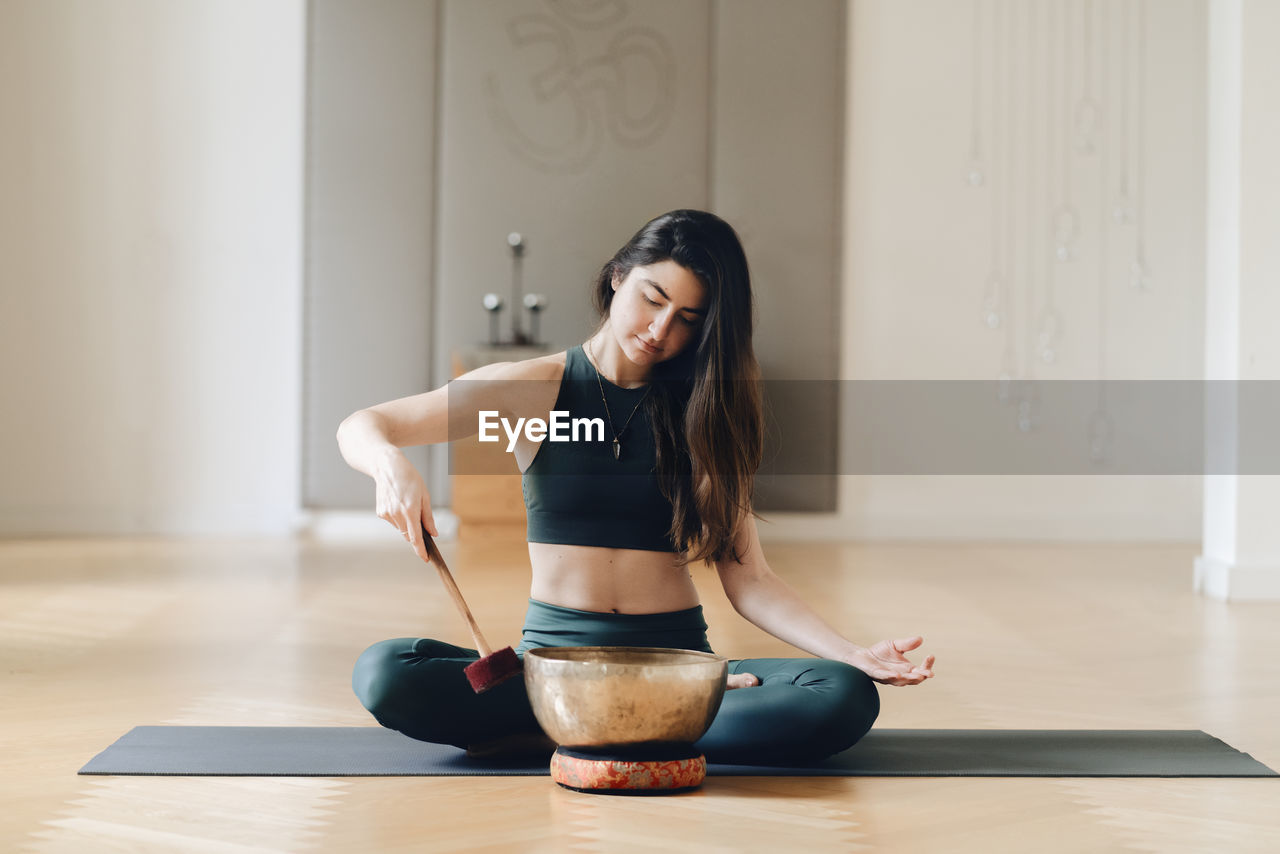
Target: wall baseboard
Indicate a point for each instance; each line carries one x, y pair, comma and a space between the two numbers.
77, 522
872, 527
366, 527
1231, 582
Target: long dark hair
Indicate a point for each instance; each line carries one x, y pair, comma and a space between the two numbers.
705, 403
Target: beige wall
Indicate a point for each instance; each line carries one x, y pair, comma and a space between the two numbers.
916, 256
150, 265
572, 125
152, 273
371, 160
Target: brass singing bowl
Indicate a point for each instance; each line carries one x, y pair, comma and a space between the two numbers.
602, 696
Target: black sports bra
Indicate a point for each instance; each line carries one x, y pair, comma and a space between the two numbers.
576, 492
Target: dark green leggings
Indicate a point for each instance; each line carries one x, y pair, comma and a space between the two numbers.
804, 709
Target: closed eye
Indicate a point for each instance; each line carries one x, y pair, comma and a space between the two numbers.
686, 321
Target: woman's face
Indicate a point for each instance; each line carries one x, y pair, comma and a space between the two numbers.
656, 311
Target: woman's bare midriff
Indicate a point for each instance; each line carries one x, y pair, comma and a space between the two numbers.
617, 581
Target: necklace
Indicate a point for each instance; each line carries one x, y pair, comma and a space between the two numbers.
617, 434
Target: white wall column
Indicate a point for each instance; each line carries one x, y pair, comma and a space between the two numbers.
1241, 549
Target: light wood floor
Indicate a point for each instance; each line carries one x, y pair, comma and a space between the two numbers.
98, 636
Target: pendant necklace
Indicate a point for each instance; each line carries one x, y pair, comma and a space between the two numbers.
617, 435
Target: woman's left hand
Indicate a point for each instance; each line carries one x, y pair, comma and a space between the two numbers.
884, 662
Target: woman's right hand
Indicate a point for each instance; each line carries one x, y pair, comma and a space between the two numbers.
402, 499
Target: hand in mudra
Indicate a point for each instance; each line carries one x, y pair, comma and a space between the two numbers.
884, 662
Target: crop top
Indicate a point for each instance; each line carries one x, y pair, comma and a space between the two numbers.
576, 493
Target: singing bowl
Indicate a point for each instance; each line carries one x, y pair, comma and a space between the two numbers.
601, 696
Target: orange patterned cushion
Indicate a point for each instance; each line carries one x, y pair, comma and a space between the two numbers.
603, 774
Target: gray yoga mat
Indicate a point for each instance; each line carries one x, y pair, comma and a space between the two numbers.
378, 752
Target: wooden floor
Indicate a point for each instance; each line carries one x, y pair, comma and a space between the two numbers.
98, 636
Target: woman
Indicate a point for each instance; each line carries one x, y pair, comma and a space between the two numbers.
614, 519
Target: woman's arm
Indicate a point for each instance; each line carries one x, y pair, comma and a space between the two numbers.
364, 441
446, 414
770, 603
370, 439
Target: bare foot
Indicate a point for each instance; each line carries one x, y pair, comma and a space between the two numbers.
742, 680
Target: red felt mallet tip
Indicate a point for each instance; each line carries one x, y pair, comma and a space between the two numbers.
493, 669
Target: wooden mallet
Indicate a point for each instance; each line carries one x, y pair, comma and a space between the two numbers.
493, 668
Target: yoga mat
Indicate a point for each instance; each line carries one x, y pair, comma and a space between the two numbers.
379, 752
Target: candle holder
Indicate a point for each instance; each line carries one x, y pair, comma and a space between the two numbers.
535, 304
515, 240
493, 305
